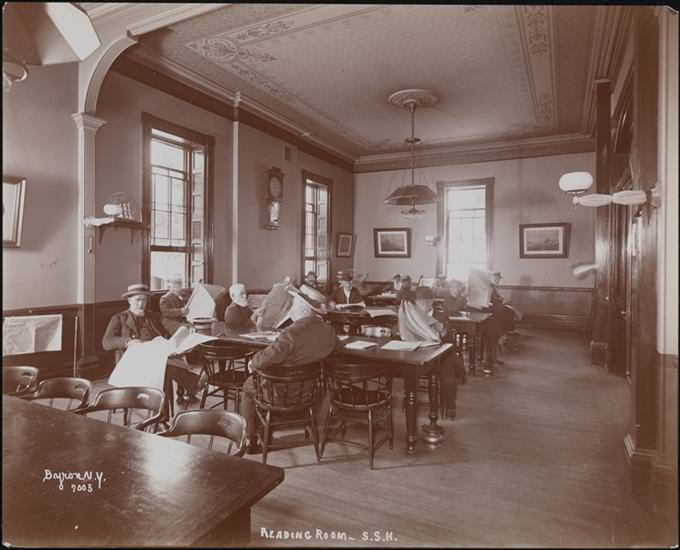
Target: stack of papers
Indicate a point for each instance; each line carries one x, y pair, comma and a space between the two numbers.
400, 345
379, 311
268, 336
361, 345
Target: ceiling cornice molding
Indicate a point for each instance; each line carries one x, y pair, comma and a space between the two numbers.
107, 10
479, 152
179, 72
150, 16
609, 44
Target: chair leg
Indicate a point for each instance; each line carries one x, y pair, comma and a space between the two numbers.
391, 426
204, 396
315, 434
265, 436
371, 450
326, 426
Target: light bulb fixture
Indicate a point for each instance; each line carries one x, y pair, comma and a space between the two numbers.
577, 183
413, 194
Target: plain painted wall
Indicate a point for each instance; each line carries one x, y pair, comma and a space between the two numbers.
525, 191
40, 144
119, 169
267, 255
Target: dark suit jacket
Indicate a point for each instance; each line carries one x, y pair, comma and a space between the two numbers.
339, 297
305, 341
122, 328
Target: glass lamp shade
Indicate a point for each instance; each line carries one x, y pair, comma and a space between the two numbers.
594, 199
410, 195
630, 197
576, 182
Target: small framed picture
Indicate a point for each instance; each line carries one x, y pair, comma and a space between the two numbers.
343, 245
13, 195
392, 242
273, 214
544, 240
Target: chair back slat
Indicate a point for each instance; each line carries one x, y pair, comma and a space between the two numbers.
65, 387
357, 385
17, 380
287, 388
141, 398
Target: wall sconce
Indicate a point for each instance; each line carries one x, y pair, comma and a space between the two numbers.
431, 240
577, 183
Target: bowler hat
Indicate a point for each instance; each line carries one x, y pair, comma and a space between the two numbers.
136, 288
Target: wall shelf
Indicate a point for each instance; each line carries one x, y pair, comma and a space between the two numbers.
101, 224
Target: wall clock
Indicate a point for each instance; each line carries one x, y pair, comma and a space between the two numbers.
275, 184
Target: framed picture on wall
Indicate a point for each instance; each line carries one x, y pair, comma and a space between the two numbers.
13, 194
544, 240
392, 242
343, 245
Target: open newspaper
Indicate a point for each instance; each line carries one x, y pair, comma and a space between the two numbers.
203, 299
144, 364
479, 289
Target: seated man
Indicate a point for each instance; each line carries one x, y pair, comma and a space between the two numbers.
393, 287
311, 280
274, 307
416, 324
173, 302
238, 314
346, 293
137, 324
308, 339
506, 313
456, 298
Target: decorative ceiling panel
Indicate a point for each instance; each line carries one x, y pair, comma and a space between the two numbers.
331, 67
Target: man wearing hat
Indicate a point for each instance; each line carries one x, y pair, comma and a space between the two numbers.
307, 340
136, 324
346, 293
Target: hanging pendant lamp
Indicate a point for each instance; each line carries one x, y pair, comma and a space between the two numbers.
414, 194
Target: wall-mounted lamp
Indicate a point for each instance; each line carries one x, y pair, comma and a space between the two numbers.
577, 183
431, 240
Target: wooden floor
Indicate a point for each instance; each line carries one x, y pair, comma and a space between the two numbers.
534, 459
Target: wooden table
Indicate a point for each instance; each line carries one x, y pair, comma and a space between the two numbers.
471, 324
155, 491
408, 365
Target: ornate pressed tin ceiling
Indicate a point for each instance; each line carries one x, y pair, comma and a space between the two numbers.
501, 72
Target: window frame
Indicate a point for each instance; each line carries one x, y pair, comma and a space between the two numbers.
328, 183
150, 122
442, 217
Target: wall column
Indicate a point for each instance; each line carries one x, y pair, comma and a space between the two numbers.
235, 190
87, 128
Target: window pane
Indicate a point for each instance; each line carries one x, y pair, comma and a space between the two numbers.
164, 154
164, 265
466, 238
465, 197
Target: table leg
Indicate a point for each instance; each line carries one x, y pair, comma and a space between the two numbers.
411, 398
472, 352
434, 433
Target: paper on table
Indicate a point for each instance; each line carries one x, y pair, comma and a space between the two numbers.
400, 345
183, 340
343, 337
379, 311
269, 336
31, 334
203, 299
361, 345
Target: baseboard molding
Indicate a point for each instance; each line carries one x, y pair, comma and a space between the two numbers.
555, 321
641, 465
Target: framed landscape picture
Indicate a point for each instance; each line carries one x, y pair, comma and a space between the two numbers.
343, 246
392, 242
13, 193
544, 240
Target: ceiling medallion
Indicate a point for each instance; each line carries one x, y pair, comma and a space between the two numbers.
413, 194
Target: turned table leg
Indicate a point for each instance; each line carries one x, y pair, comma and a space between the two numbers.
433, 432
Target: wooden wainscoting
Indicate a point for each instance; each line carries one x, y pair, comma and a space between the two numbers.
558, 307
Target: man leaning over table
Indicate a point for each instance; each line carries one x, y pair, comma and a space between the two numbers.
137, 324
307, 340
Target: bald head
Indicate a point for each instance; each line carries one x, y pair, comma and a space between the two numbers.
238, 294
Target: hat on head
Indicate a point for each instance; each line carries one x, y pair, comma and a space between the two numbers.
310, 295
136, 288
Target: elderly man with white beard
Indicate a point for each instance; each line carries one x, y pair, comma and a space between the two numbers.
238, 314
307, 340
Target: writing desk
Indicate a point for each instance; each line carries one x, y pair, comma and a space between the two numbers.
471, 324
408, 365
155, 491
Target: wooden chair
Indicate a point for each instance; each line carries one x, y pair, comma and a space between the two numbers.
126, 398
226, 366
215, 423
19, 380
70, 388
285, 397
359, 393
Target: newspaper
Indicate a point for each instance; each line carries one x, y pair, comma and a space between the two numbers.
144, 364
203, 299
31, 334
479, 289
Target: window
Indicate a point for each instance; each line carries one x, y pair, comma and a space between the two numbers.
317, 208
465, 225
176, 204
